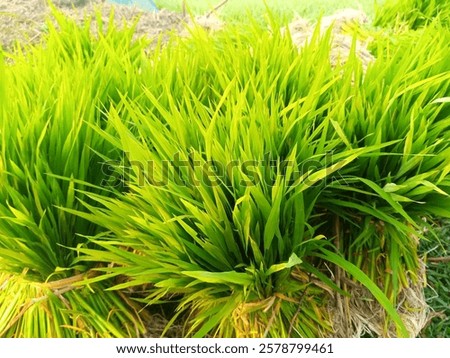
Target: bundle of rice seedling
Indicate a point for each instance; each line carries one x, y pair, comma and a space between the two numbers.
264, 183
51, 98
249, 188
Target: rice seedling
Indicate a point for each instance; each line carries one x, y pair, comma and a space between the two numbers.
412, 13
30, 308
253, 187
410, 178
50, 97
235, 10
262, 183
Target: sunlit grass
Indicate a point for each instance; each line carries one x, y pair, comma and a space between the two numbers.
51, 97
274, 176
413, 13
368, 159
284, 9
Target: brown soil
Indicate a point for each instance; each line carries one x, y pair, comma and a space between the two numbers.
24, 20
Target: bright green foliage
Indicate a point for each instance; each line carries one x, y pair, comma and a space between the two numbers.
241, 176
413, 13
238, 11
327, 159
50, 99
401, 98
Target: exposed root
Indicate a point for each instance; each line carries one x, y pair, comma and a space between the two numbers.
157, 327
368, 317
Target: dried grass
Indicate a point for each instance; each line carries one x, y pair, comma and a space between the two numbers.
302, 30
363, 316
